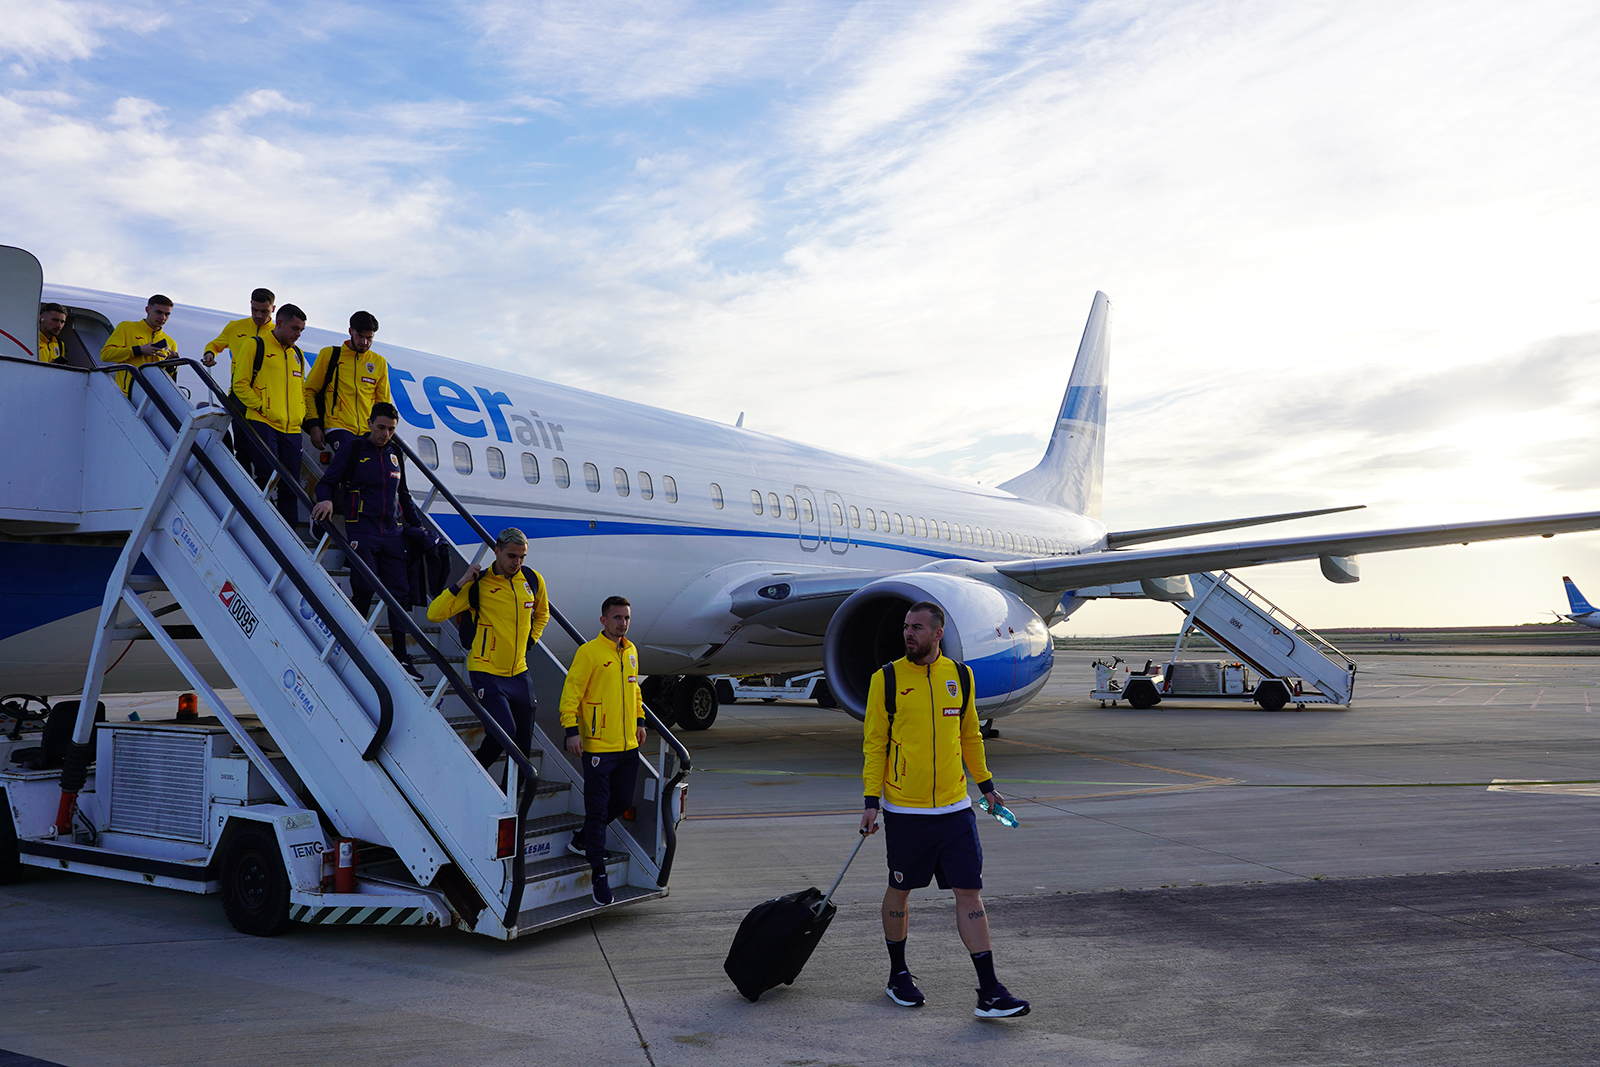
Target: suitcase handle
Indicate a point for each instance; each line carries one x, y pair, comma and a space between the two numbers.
823, 903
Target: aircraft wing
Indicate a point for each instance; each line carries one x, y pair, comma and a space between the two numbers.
1107, 568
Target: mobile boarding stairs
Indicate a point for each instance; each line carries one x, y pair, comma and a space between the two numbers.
1279, 660
350, 793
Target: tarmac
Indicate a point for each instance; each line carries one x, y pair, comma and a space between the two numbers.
1412, 880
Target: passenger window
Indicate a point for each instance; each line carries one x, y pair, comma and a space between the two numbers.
428, 452
838, 515
788, 504
755, 501
883, 520
530, 468
591, 477
646, 490
774, 505
716, 496
966, 532
463, 456
563, 476
946, 526
899, 526
855, 517
620, 476
811, 516
669, 487
922, 527
497, 463
989, 538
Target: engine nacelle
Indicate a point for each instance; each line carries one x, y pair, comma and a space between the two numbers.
1002, 639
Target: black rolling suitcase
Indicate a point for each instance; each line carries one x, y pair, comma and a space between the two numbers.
778, 936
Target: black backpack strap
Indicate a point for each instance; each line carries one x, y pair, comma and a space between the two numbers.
331, 379
964, 672
532, 578
888, 691
261, 357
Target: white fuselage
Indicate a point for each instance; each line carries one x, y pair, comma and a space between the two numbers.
614, 527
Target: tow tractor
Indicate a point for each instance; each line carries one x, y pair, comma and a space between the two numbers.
1279, 660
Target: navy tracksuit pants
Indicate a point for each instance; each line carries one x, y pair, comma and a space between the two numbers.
510, 701
385, 555
286, 448
608, 783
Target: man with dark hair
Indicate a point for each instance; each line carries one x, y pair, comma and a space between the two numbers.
345, 382
262, 304
602, 710
141, 341
921, 725
509, 607
270, 372
52, 319
372, 473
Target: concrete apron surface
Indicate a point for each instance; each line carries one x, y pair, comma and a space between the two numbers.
1190, 885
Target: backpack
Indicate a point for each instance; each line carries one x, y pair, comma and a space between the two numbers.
332, 379
467, 621
962, 671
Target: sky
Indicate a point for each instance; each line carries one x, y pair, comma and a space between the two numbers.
1350, 247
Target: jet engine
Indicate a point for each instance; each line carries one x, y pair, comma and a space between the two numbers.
1002, 639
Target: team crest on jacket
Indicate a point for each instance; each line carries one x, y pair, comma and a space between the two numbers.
951, 686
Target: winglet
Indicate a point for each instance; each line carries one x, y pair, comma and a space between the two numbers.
1070, 473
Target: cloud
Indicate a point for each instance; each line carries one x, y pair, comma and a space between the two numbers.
52, 30
619, 52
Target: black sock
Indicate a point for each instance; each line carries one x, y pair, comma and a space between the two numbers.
983, 963
897, 956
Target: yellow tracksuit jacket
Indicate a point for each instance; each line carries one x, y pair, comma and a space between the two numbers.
601, 698
916, 766
363, 379
236, 331
51, 349
128, 336
277, 396
510, 618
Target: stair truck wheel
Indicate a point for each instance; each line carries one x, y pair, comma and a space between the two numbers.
255, 886
10, 856
1141, 694
694, 701
1272, 695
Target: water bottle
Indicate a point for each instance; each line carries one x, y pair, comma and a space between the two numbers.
1001, 813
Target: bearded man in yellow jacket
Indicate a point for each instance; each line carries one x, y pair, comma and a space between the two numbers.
269, 381
912, 770
602, 710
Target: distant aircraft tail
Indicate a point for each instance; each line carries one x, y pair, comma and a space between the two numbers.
1069, 475
1580, 606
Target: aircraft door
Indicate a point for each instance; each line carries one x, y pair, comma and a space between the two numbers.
838, 528
810, 519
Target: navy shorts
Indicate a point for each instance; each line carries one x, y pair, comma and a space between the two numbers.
925, 847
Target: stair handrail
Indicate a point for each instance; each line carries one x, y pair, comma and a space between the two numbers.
529, 775
577, 637
669, 834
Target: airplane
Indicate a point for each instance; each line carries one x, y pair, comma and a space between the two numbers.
1583, 612
742, 552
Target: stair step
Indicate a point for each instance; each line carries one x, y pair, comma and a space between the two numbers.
551, 824
579, 907
566, 863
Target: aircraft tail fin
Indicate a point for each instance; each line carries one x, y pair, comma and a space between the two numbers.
1580, 606
1070, 473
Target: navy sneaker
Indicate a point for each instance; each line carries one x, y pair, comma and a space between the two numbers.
602, 895
998, 1003
411, 669
902, 989
575, 848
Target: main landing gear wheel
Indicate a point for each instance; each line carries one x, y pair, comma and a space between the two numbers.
255, 887
1272, 695
1141, 695
694, 702
987, 730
